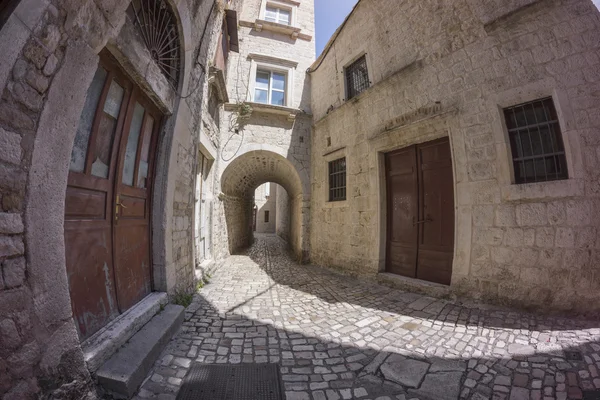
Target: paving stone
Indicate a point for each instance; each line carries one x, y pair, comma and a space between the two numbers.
338, 338
405, 372
440, 386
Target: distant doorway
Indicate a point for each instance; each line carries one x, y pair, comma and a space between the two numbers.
420, 211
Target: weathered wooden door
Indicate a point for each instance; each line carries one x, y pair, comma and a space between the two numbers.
420, 191
132, 203
401, 168
107, 248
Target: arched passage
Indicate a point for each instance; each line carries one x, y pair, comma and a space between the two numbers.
238, 183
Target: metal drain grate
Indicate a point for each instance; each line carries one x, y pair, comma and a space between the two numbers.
232, 382
591, 395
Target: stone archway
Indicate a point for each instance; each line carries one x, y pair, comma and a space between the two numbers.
238, 182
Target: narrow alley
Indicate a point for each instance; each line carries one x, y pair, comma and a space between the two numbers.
339, 338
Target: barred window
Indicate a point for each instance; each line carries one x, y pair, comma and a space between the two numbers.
536, 142
266, 216
337, 180
357, 77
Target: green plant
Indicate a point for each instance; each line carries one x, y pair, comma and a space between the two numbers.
199, 285
183, 299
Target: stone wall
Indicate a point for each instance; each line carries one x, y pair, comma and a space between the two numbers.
265, 203
50, 53
448, 69
282, 222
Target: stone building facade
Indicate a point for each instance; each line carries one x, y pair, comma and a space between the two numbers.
454, 71
54, 53
267, 139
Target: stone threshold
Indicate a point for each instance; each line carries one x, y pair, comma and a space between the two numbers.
104, 343
414, 285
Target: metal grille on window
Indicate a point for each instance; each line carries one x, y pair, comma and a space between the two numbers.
357, 77
158, 27
536, 142
337, 180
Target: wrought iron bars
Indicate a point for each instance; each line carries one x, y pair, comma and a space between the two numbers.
158, 27
337, 180
536, 142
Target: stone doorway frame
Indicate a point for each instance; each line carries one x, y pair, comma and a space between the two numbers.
47, 175
443, 125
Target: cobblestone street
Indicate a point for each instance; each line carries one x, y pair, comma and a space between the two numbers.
337, 338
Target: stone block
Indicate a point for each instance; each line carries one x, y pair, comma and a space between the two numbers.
27, 96
483, 216
36, 53
489, 236
565, 237
534, 214
20, 69
557, 214
405, 372
14, 272
579, 212
37, 81
544, 237
506, 215
51, 37
15, 118
503, 255
10, 147
50, 66
22, 362
11, 246
9, 335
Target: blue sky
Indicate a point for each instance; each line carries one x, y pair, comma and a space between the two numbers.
329, 14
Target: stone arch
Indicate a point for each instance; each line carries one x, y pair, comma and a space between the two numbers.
238, 182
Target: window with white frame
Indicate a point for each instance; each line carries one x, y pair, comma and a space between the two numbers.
278, 15
270, 87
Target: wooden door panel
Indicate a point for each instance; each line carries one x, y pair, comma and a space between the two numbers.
83, 203
132, 257
402, 208
90, 273
136, 208
434, 266
436, 194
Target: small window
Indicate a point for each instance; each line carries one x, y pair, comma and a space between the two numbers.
266, 216
536, 142
278, 15
337, 180
357, 77
270, 88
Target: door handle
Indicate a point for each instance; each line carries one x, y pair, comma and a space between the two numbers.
423, 221
117, 204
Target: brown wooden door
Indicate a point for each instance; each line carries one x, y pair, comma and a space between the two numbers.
132, 203
421, 212
94, 255
401, 168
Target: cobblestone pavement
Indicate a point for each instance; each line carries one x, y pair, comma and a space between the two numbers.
338, 338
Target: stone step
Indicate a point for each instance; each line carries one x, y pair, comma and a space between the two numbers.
124, 372
103, 344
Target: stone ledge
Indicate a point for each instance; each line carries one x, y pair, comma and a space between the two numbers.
261, 108
414, 285
261, 25
103, 344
